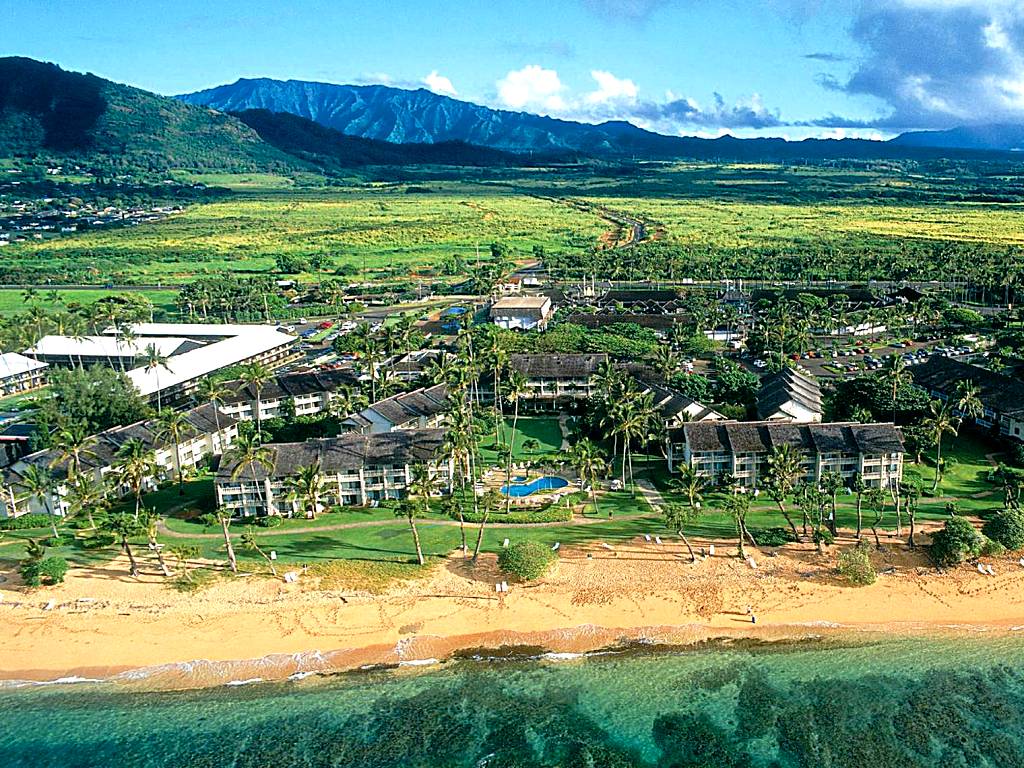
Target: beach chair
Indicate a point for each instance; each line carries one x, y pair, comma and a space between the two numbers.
504, 586
606, 546
555, 546
497, 586
504, 544
711, 550
647, 536
752, 563
981, 569
991, 572
657, 540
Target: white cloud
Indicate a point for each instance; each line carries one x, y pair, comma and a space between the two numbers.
532, 87
611, 88
439, 84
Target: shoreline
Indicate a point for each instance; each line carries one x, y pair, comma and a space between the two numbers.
103, 625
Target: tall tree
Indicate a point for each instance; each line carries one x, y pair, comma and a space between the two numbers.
247, 454
305, 488
153, 360
679, 515
938, 423
590, 464
172, 427
515, 388
256, 376
41, 485
215, 392
134, 465
784, 471
124, 526
251, 542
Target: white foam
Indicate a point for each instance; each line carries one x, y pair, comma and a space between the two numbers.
418, 662
250, 681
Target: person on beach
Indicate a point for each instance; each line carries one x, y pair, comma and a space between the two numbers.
753, 619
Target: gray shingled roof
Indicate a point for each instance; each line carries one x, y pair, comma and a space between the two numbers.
997, 391
787, 386
292, 385
556, 366
763, 436
348, 452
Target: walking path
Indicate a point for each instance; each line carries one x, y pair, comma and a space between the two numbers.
651, 494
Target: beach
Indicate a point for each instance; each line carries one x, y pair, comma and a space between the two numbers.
102, 623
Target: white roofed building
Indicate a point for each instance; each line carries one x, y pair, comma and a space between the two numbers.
20, 374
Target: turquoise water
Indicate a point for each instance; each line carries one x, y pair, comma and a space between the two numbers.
891, 703
540, 484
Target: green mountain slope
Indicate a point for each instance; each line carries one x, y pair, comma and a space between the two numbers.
46, 112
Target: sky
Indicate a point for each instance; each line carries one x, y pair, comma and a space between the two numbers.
791, 68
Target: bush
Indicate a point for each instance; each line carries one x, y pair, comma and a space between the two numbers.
49, 570
25, 522
771, 537
98, 541
855, 565
991, 548
527, 560
1007, 527
824, 536
955, 542
549, 514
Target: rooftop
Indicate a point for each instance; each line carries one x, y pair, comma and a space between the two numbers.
13, 364
557, 366
764, 436
104, 346
1001, 393
350, 451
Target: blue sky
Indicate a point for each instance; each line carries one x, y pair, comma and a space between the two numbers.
750, 67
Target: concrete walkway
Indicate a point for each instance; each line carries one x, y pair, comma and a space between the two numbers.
651, 494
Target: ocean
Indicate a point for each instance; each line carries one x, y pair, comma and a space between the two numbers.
869, 702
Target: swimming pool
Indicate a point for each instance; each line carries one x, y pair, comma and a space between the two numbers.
540, 484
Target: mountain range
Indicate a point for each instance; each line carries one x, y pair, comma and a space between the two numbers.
399, 115
288, 126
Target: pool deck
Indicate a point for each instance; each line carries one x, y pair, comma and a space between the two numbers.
494, 479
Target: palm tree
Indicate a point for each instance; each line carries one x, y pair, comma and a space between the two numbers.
895, 374
154, 360
590, 464
490, 502
678, 515
859, 487
419, 491
171, 426
967, 399
876, 502
72, 444
937, 423
125, 526
666, 361
692, 484
305, 488
41, 485
515, 388
215, 392
222, 517
345, 401
152, 527
497, 356
784, 470
135, 464
738, 507
458, 446
831, 481
256, 376
249, 542
88, 495
248, 453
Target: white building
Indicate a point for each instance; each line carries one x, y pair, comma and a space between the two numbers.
356, 469
789, 396
203, 440
419, 409
20, 374
521, 313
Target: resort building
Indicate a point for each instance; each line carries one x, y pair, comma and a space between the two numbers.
789, 396
210, 435
555, 380
193, 351
741, 450
298, 394
20, 374
419, 409
521, 313
112, 351
357, 470
1002, 397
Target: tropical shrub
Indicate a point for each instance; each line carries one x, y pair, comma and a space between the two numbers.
48, 570
771, 537
957, 541
855, 565
25, 522
1006, 527
550, 514
527, 560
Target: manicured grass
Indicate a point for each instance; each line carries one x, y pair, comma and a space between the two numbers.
544, 429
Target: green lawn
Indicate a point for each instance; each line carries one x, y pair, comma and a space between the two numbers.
544, 429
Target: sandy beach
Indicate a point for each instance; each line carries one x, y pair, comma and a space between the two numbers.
102, 623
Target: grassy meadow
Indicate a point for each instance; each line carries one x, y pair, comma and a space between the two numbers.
12, 300
363, 227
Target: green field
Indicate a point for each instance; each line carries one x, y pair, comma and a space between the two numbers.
362, 227
12, 301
